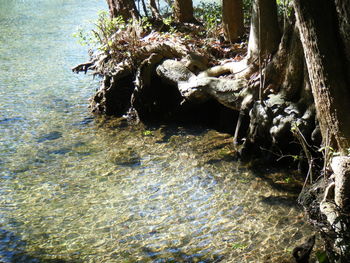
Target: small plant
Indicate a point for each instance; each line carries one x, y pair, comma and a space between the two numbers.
239, 246
147, 133
288, 180
169, 22
83, 37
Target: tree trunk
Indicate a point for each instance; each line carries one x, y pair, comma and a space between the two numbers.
324, 32
232, 17
343, 10
317, 23
124, 8
183, 11
266, 41
154, 9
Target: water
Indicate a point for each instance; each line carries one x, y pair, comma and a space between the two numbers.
76, 189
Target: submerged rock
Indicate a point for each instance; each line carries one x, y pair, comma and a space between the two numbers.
127, 157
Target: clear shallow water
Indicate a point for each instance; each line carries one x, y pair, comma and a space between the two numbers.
74, 189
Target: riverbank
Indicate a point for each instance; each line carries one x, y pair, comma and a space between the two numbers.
151, 75
80, 188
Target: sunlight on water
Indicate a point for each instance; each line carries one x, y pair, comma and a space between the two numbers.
77, 189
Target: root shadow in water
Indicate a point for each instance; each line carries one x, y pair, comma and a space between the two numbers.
175, 255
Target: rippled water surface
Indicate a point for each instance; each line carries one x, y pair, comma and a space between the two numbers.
75, 189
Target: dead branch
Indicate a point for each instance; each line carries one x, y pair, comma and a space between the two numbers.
84, 67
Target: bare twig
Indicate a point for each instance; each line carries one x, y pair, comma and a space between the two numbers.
260, 56
238, 125
297, 133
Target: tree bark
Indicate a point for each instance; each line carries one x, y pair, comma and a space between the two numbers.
183, 11
154, 9
232, 17
343, 11
264, 17
327, 68
124, 8
324, 33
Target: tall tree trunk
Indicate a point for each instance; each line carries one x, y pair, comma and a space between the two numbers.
232, 17
154, 9
264, 17
183, 11
343, 11
124, 8
324, 32
317, 22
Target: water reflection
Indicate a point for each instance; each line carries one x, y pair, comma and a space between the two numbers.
78, 189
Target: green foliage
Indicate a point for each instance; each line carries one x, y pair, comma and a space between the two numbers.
247, 11
210, 14
105, 27
83, 37
100, 36
120, 38
146, 24
284, 8
169, 22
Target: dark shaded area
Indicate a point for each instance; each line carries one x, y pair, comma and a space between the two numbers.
49, 136
263, 171
279, 201
174, 255
85, 121
162, 103
10, 120
61, 151
12, 250
302, 253
114, 97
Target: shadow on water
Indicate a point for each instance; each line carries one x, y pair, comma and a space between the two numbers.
279, 200
12, 251
54, 135
10, 120
174, 255
282, 179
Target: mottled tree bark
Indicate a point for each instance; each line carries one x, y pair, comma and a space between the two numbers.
154, 9
124, 8
264, 18
232, 17
317, 22
183, 11
324, 32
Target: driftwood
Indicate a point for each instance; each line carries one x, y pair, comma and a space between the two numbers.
234, 94
239, 69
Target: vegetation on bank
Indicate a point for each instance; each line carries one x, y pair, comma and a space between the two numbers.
280, 84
